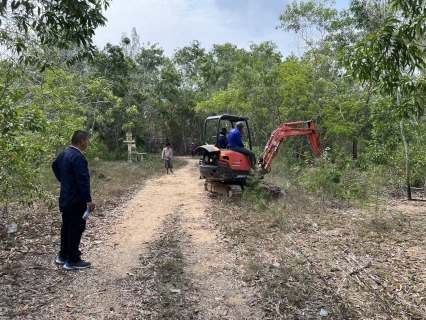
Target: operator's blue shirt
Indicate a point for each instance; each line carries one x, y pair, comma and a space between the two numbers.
235, 138
72, 171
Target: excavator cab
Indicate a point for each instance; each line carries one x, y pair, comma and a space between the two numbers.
222, 168
213, 126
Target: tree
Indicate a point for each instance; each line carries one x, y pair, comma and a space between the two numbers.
312, 21
189, 61
22, 124
131, 46
71, 103
391, 59
343, 103
145, 79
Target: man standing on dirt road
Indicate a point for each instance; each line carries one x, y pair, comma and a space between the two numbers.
71, 170
167, 155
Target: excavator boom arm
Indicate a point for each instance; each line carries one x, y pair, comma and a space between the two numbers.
290, 130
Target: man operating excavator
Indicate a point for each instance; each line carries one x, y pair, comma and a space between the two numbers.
235, 143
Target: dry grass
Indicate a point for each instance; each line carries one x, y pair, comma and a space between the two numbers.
350, 262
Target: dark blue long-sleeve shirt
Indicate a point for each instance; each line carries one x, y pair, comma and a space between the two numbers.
222, 142
235, 138
72, 171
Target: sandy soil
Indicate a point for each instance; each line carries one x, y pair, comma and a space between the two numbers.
98, 292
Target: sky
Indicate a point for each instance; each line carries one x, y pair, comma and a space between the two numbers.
175, 24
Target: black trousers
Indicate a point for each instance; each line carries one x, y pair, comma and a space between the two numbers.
73, 226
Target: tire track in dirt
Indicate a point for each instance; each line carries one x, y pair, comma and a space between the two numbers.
99, 293
222, 293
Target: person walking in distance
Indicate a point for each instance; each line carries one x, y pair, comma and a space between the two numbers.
192, 149
167, 155
71, 170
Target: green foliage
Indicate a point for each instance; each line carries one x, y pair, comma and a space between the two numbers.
133, 87
256, 192
37, 121
323, 182
298, 103
72, 103
391, 56
301, 16
385, 133
98, 150
58, 100
347, 180
112, 65
191, 62
385, 146
60, 24
21, 149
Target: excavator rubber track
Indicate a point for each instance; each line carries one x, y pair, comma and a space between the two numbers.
229, 190
236, 191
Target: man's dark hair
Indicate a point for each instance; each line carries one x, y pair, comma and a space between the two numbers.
78, 136
168, 144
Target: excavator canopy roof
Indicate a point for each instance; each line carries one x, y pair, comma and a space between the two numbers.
219, 121
227, 117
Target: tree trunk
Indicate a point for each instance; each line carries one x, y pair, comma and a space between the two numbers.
424, 186
407, 160
184, 148
355, 149
300, 155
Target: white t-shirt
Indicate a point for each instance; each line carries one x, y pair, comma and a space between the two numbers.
167, 153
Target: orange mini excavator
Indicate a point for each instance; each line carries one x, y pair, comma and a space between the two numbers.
225, 171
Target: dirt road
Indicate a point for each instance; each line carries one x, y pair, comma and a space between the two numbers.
128, 261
